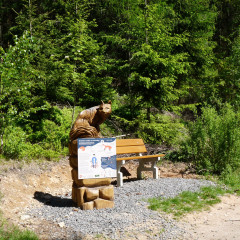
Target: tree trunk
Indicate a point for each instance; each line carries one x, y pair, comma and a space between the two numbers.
30, 17
145, 16
1, 146
73, 113
148, 114
1, 37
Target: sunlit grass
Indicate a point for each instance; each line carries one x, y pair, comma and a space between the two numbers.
187, 201
14, 233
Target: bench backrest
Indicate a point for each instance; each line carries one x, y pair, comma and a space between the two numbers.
125, 146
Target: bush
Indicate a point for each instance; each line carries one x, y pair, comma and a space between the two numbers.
231, 178
14, 139
163, 129
17, 146
214, 140
49, 140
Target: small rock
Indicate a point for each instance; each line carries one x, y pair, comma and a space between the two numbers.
24, 217
61, 224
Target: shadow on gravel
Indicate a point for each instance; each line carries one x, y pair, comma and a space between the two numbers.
125, 180
53, 201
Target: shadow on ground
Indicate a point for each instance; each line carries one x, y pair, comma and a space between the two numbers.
54, 201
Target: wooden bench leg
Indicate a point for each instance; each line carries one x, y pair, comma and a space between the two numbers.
155, 170
119, 173
140, 169
153, 167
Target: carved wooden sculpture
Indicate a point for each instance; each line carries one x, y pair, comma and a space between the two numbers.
88, 121
89, 193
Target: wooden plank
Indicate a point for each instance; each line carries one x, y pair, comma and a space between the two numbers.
129, 142
131, 149
140, 157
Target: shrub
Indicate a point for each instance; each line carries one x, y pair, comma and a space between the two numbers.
231, 178
214, 140
14, 141
163, 129
17, 146
48, 140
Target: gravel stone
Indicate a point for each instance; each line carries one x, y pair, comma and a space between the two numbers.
130, 215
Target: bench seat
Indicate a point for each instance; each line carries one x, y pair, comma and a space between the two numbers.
137, 147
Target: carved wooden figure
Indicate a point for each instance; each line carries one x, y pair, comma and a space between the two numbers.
88, 121
88, 193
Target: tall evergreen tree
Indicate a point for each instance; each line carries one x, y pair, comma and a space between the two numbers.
70, 61
196, 20
227, 50
163, 50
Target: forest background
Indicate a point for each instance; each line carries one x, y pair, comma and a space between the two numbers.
170, 67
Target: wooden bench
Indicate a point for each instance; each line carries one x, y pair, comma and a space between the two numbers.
135, 146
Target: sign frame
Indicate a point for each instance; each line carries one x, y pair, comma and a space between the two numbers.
97, 158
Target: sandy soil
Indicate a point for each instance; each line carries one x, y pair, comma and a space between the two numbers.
19, 182
220, 222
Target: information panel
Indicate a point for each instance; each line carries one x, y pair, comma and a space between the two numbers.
96, 158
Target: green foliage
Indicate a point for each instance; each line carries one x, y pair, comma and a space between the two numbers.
229, 76
126, 112
17, 146
49, 140
17, 73
14, 141
170, 55
187, 202
197, 20
163, 129
214, 140
164, 50
16, 234
10, 232
231, 178
108, 129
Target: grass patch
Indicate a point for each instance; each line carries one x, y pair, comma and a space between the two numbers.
16, 234
11, 232
8, 232
231, 179
100, 236
187, 201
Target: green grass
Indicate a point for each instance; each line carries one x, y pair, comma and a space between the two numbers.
232, 179
11, 232
187, 202
15, 234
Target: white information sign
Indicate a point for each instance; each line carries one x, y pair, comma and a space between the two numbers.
96, 158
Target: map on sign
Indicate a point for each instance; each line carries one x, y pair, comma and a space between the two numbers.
96, 158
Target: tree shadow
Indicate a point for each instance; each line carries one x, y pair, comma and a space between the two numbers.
53, 201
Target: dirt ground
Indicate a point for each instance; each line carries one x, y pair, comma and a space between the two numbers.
220, 222
19, 182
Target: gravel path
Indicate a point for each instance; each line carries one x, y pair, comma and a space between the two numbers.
129, 219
